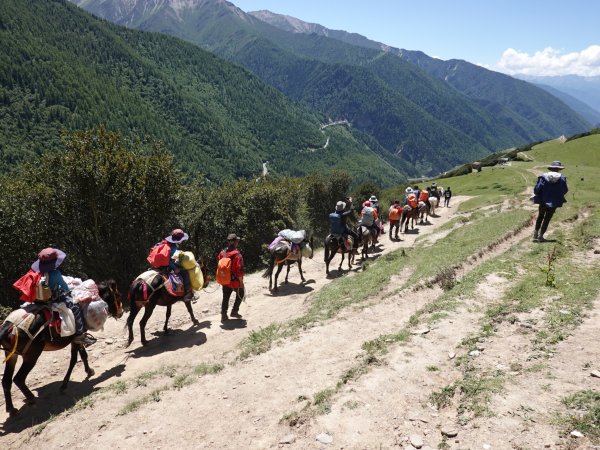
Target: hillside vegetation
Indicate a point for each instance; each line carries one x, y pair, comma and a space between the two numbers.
60, 68
411, 114
465, 328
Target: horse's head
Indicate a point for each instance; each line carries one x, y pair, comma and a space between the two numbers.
109, 292
204, 269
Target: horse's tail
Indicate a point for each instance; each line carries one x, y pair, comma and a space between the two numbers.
5, 328
269, 270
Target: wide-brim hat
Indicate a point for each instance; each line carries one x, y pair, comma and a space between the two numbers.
48, 259
408, 190
233, 237
340, 206
373, 199
556, 165
177, 236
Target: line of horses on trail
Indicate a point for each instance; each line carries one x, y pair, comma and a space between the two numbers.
30, 343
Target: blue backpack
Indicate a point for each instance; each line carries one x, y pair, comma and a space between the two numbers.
335, 222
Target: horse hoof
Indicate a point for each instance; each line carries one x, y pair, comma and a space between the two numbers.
12, 412
63, 388
196, 322
90, 373
144, 342
30, 401
167, 332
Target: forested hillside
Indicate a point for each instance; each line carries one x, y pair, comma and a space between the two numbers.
428, 122
61, 68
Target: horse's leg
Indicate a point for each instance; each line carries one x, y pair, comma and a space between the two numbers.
188, 306
84, 357
133, 311
74, 351
167, 316
279, 267
342, 261
300, 270
149, 309
9, 370
271, 267
287, 273
29, 360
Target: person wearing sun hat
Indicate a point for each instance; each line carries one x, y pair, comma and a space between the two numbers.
549, 192
176, 237
45, 270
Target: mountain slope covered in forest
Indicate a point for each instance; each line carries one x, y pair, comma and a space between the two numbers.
61, 68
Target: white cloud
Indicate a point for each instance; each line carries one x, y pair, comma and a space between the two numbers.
551, 62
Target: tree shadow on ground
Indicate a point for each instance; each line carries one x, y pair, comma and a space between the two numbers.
174, 340
51, 402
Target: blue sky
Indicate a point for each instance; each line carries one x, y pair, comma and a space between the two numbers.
538, 37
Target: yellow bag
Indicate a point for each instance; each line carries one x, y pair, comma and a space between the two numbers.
196, 278
187, 260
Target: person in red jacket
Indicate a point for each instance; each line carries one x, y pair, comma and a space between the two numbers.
237, 278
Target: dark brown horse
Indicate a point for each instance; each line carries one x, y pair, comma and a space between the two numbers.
411, 214
282, 255
30, 350
335, 243
157, 295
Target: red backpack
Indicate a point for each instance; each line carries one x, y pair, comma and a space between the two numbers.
160, 255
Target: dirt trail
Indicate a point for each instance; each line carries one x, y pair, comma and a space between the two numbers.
295, 369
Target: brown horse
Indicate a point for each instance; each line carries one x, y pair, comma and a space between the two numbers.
157, 296
282, 255
334, 243
368, 240
45, 340
411, 214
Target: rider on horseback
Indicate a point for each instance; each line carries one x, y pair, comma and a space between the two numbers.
368, 218
177, 236
44, 274
338, 221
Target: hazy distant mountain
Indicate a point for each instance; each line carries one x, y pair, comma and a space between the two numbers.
586, 111
584, 89
424, 120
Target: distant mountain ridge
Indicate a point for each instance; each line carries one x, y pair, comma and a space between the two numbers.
584, 89
412, 115
474, 81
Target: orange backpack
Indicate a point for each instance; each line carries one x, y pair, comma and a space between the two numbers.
224, 269
424, 196
412, 200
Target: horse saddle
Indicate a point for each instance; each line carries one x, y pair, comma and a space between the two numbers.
339, 238
172, 282
24, 319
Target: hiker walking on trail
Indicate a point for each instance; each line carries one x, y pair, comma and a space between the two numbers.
447, 197
394, 216
230, 275
549, 192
